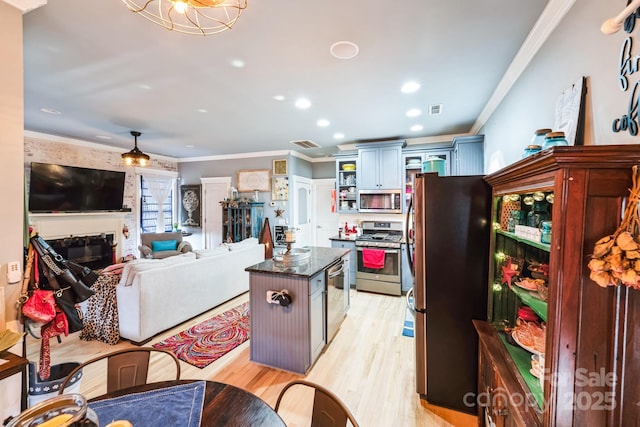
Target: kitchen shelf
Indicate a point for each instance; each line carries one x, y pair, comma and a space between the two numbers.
538, 245
522, 359
536, 304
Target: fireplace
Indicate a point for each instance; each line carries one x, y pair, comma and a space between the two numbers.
95, 252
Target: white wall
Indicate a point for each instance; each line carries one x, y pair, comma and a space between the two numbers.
576, 48
11, 150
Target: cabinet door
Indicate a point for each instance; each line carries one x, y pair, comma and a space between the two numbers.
389, 168
317, 315
468, 155
368, 170
341, 244
346, 184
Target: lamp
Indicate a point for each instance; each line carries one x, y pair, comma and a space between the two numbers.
613, 25
199, 17
135, 157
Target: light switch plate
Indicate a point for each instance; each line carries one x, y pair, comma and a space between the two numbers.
13, 272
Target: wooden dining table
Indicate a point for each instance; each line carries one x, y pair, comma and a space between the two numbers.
222, 405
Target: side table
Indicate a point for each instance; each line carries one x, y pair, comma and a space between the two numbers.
15, 365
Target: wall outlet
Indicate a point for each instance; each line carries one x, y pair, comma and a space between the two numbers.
13, 272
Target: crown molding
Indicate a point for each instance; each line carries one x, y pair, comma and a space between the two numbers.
25, 5
94, 145
546, 24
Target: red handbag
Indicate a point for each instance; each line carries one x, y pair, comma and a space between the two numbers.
40, 307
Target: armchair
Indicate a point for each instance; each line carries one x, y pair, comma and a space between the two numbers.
162, 245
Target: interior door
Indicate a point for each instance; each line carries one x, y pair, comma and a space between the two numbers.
324, 222
214, 190
302, 209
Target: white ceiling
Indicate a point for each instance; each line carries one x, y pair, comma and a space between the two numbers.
109, 71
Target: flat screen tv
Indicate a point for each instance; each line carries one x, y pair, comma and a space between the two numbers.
56, 188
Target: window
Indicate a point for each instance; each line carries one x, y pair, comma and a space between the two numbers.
149, 210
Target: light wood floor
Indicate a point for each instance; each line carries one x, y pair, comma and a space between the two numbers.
369, 365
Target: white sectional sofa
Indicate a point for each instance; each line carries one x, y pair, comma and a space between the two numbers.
155, 295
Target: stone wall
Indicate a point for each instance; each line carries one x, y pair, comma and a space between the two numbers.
95, 156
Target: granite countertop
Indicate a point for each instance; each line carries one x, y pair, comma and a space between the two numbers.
319, 260
345, 238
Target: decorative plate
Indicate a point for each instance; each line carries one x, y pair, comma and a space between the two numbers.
528, 284
529, 337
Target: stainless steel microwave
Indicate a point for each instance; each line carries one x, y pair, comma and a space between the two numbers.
380, 201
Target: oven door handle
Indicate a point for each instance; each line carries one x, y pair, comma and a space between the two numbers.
386, 251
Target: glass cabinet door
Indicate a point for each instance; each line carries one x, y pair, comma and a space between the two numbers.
412, 165
519, 275
346, 185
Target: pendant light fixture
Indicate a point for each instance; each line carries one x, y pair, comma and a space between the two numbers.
199, 17
135, 157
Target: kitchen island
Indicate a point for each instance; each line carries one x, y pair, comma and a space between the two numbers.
291, 336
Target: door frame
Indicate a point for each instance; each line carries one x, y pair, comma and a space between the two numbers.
205, 207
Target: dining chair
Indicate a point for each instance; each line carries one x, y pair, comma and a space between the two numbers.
328, 409
125, 368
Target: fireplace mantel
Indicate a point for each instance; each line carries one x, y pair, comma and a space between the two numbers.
61, 225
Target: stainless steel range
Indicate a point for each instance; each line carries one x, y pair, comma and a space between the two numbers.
379, 257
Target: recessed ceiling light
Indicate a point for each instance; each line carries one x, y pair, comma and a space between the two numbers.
414, 112
105, 137
344, 50
145, 87
50, 111
410, 87
189, 145
237, 63
303, 103
416, 128
201, 110
323, 123
279, 98
338, 135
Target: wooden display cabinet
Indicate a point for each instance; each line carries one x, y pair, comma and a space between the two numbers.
241, 221
592, 337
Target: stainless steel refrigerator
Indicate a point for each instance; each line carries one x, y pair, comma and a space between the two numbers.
451, 231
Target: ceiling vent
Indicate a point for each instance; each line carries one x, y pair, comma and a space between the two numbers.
305, 143
435, 109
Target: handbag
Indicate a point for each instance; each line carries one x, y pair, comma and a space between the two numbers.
51, 258
66, 302
40, 306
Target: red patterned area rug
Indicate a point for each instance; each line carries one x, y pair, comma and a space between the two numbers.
208, 341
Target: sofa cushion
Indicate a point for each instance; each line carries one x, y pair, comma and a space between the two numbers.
208, 253
134, 267
251, 241
164, 245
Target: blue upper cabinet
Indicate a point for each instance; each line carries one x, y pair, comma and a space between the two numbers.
468, 155
380, 167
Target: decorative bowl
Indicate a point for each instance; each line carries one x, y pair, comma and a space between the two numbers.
349, 167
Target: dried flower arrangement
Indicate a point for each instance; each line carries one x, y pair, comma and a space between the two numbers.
616, 258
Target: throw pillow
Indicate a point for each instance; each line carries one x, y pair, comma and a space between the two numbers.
164, 245
145, 251
184, 246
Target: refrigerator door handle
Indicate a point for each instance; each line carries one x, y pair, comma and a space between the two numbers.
408, 235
